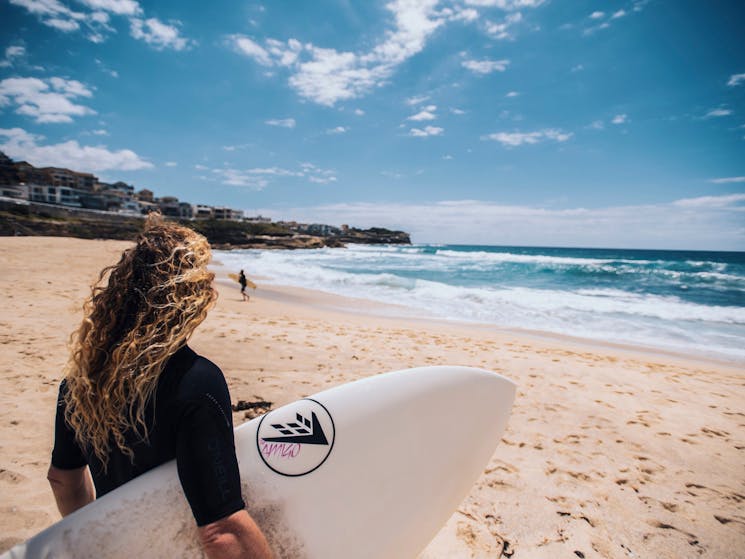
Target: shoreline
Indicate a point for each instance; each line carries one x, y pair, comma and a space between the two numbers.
608, 452
333, 302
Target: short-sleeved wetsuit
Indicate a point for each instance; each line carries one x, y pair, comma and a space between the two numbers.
191, 422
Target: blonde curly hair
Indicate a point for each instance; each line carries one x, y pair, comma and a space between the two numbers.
141, 310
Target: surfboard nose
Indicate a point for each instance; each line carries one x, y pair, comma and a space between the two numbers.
498, 388
479, 399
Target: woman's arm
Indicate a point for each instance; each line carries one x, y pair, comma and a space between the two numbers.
235, 536
73, 489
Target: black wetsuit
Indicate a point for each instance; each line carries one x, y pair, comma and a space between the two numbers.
191, 422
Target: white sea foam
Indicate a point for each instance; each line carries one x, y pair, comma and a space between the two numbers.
395, 275
521, 258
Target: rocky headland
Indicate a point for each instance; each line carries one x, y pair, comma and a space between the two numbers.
30, 219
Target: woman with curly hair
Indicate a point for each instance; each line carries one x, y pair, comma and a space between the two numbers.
135, 395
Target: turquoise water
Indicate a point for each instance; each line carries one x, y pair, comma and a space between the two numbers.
688, 301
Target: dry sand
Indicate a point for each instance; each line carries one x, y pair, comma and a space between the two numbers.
609, 453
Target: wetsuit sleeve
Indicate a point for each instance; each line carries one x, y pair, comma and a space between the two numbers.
205, 448
66, 454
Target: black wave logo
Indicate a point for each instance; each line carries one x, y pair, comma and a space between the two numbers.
304, 431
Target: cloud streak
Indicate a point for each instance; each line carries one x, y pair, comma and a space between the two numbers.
427, 113
727, 180
281, 122
426, 131
718, 112
713, 224
515, 139
485, 66
259, 178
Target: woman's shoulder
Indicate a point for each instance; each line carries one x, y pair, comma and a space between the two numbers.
199, 376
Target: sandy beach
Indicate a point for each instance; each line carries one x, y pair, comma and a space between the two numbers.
610, 452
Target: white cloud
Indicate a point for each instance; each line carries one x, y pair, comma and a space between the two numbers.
666, 225
513, 139
322, 179
427, 113
66, 25
597, 125
485, 66
594, 28
42, 7
620, 119
236, 177
597, 15
118, 7
96, 23
258, 178
200, 167
506, 4
281, 122
513, 94
285, 55
331, 76
720, 111
502, 30
171, 164
100, 132
618, 14
236, 147
246, 46
577, 68
359, 112
457, 111
317, 174
411, 101
462, 14
337, 130
18, 50
327, 76
52, 13
47, 101
426, 131
57, 15
736, 79
158, 34
11, 53
275, 171
727, 180
20, 144
447, 157
730, 201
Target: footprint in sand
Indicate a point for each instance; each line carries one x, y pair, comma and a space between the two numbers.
11, 476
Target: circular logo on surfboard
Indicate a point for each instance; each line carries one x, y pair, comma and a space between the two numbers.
296, 439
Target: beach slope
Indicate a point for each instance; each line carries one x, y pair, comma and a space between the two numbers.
610, 452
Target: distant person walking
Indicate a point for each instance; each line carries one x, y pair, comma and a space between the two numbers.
242, 281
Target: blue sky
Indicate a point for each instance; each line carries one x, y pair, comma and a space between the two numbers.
472, 121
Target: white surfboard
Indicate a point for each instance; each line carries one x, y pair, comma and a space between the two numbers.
369, 469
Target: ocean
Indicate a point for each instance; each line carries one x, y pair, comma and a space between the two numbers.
690, 302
